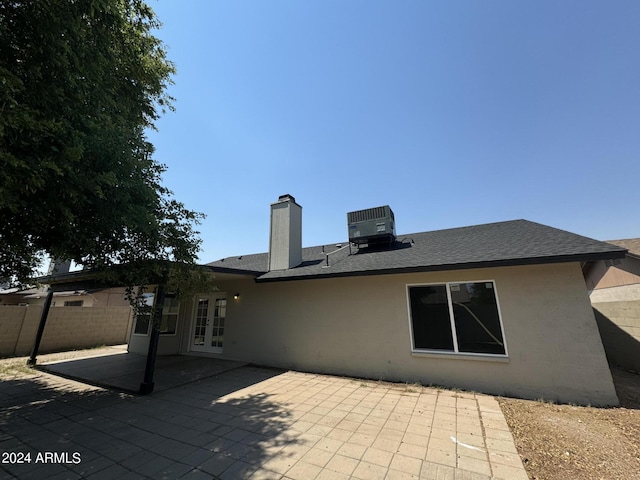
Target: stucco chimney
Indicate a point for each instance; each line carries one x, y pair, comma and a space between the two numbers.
285, 240
58, 266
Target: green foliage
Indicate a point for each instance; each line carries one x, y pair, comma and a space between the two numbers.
80, 82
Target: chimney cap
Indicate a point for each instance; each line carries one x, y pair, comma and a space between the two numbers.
286, 197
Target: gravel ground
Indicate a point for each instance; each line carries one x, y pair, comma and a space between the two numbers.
571, 442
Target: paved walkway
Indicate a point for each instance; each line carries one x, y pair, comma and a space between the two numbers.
253, 423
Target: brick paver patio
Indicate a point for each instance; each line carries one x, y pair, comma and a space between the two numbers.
254, 423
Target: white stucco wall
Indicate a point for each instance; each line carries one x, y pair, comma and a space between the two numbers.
359, 326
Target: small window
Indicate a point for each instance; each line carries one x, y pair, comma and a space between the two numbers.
169, 315
74, 303
456, 317
143, 318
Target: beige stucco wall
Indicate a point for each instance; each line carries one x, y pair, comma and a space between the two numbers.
108, 297
602, 276
623, 293
66, 328
359, 326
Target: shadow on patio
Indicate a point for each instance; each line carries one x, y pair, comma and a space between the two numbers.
125, 371
202, 429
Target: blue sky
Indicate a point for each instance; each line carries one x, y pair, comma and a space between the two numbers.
453, 113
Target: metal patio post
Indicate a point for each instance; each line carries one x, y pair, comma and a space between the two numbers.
43, 320
148, 384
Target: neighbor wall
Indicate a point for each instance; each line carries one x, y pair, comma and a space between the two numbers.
67, 328
617, 311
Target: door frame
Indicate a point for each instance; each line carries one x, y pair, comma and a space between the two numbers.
212, 297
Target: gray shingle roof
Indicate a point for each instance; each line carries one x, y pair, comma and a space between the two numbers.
516, 242
631, 244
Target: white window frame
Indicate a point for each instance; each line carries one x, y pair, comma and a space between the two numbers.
150, 315
213, 297
455, 352
177, 315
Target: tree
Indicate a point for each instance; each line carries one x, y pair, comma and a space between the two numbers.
80, 83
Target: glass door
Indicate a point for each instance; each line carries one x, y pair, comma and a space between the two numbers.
208, 324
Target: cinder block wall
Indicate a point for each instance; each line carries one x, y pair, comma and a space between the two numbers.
617, 311
619, 325
67, 328
12, 319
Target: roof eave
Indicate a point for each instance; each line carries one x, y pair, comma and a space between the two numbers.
67, 277
235, 271
454, 266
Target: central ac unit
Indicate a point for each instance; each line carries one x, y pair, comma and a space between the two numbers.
372, 226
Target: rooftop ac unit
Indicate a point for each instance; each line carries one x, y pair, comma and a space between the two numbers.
372, 226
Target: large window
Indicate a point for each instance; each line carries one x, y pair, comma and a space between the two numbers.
169, 320
456, 317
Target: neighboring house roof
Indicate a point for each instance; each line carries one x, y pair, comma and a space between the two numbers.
26, 291
18, 296
631, 244
516, 242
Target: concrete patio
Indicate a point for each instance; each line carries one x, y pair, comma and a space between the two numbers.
124, 371
255, 423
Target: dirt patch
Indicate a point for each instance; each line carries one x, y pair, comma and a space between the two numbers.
17, 366
566, 441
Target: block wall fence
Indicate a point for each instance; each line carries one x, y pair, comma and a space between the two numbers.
619, 324
67, 328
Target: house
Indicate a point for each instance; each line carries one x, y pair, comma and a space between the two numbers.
500, 308
614, 290
81, 297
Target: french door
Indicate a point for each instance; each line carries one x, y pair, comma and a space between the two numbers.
208, 323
